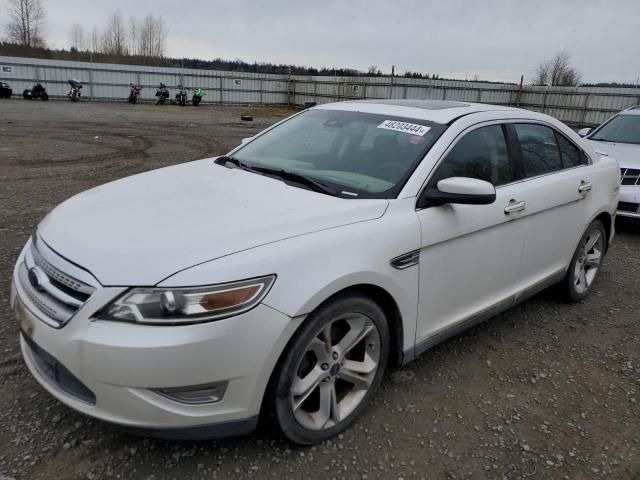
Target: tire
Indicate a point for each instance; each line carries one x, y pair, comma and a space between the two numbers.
586, 263
317, 391
45, 97
26, 95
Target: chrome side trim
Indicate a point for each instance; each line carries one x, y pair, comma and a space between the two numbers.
405, 260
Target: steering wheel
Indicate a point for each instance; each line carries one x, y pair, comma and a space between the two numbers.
391, 171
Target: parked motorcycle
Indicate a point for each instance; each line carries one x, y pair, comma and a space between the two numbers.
162, 93
134, 93
197, 97
37, 91
75, 93
181, 96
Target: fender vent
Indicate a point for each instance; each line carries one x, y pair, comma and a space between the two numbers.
405, 260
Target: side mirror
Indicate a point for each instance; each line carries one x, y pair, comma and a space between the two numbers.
469, 191
245, 140
583, 132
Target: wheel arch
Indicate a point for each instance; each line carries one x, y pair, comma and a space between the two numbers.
377, 294
607, 221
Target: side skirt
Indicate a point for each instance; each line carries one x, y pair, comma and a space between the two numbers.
500, 307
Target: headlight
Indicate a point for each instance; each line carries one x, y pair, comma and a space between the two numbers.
170, 306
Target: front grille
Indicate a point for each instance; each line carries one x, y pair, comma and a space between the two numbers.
53, 292
629, 176
628, 207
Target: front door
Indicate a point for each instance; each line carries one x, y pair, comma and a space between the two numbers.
471, 254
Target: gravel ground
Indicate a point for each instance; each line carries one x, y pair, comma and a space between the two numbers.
546, 390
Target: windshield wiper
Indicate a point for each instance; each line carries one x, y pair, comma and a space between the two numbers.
295, 177
224, 160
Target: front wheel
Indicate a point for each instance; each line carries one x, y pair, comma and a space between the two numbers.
330, 369
586, 262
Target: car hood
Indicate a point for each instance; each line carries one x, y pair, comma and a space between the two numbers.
627, 154
139, 230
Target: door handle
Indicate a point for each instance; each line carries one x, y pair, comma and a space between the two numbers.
584, 187
514, 206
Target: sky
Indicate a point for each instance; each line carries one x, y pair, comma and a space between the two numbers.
493, 39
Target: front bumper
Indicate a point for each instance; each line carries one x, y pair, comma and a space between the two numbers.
120, 364
629, 202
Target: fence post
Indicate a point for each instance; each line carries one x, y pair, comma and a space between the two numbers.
315, 90
91, 83
220, 87
444, 92
584, 108
404, 91
364, 90
261, 89
544, 101
519, 91
479, 96
293, 84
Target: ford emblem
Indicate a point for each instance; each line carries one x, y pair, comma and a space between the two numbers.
34, 279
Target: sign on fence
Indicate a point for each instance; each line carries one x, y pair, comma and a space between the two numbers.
7, 69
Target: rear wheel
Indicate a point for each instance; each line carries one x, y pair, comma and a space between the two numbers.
586, 262
44, 97
331, 368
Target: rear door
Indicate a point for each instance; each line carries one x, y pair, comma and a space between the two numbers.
555, 193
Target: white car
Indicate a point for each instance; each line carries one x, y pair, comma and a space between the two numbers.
284, 277
620, 137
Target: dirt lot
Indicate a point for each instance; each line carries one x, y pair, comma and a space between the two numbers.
547, 390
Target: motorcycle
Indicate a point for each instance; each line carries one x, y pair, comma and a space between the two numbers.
181, 96
38, 91
135, 93
74, 94
197, 97
162, 93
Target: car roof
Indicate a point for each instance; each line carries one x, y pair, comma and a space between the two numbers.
439, 111
631, 111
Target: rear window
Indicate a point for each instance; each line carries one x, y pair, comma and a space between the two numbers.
540, 151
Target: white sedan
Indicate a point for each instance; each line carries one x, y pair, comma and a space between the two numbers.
620, 136
283, 278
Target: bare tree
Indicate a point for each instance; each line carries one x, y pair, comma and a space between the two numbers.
152, 37
77, 37
557, 71
541, 74
94, 40
114, 40
134, 36
26, 22
373, 70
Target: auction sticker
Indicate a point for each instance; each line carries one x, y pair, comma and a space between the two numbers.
411, 128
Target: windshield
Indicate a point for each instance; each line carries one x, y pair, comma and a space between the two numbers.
620, 129
356, 154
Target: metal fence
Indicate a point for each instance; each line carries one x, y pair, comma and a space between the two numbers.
573, 105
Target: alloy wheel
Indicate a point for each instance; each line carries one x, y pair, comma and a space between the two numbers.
588, 261
335, 372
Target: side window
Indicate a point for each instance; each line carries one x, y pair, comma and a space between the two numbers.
540, 152
571, 155
480, 154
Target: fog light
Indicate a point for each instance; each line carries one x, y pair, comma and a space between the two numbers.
195, 394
